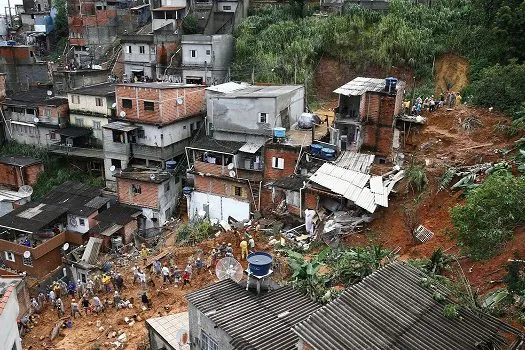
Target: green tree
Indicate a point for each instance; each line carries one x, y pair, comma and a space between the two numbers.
190, 25
491, 212
61, 24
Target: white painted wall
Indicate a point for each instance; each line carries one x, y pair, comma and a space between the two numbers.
88, 104
176, 3
168, 199
9, 335
219, 207
171, 134
200, 53
72, 219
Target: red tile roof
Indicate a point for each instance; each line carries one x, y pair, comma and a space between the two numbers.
6, 296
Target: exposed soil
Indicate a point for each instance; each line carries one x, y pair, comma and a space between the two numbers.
442, 142
167, 299
451, 73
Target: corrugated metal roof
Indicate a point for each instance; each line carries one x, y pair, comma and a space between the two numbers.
360, 85
355, 161
254, 322
376, 184
366, 200
92, 249
251, 147
390, 310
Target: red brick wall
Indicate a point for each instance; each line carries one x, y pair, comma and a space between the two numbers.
41, 266
222, 187
369, 106
208, 168
129, 230
311, 200
32, 172
148, 198
20, 54
289, 154
9, 175
166, 108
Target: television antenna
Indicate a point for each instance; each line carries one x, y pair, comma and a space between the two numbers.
25, 190
228, 267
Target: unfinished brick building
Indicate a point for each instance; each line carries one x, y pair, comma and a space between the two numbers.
95, 25
16, 171
365, 115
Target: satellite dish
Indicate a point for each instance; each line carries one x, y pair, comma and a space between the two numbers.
27, 254
65, 247
122, 114
232, 173
25, 190
230, 166
49, 93
73, 221
228, 268
152, 176
182, 336
180, 100
36, 120
112, 168
114, 105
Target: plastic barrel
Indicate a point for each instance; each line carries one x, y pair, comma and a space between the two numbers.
328, 153
279, 132
316, 148
260, 263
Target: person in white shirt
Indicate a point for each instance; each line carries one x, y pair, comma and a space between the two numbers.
165, 273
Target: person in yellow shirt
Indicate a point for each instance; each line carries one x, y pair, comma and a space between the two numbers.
244, 249
144, 254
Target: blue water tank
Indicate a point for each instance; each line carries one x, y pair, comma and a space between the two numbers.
316, 148
279, 132
390, 84
260, 263
328, 153
170, 165
187, 190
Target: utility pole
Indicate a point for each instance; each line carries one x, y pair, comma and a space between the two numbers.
253, 75
10, 15
229, 74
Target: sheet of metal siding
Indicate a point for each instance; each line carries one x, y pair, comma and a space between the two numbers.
376, 184
366, 200
381, 199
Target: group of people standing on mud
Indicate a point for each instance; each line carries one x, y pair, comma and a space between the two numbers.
449, 100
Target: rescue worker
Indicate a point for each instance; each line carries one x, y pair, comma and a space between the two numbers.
244, 249
74, 309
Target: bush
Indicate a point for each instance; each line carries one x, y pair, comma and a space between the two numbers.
416, 177
450, 311
491, 212
500, 87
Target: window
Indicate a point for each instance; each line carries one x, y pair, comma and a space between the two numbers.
81, 222
207, 343
9, 256
79, 122
226, 8
167, 186
53, 135
149, 106
28, 261
193, 53
118, 136
96, 125
141, 134
47, 112
30, 111
263, 117
98, 102
116, 163
127, 103
238, 191
75, 99
277, 163
129, 49
208, 52
142, 49
135, 189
